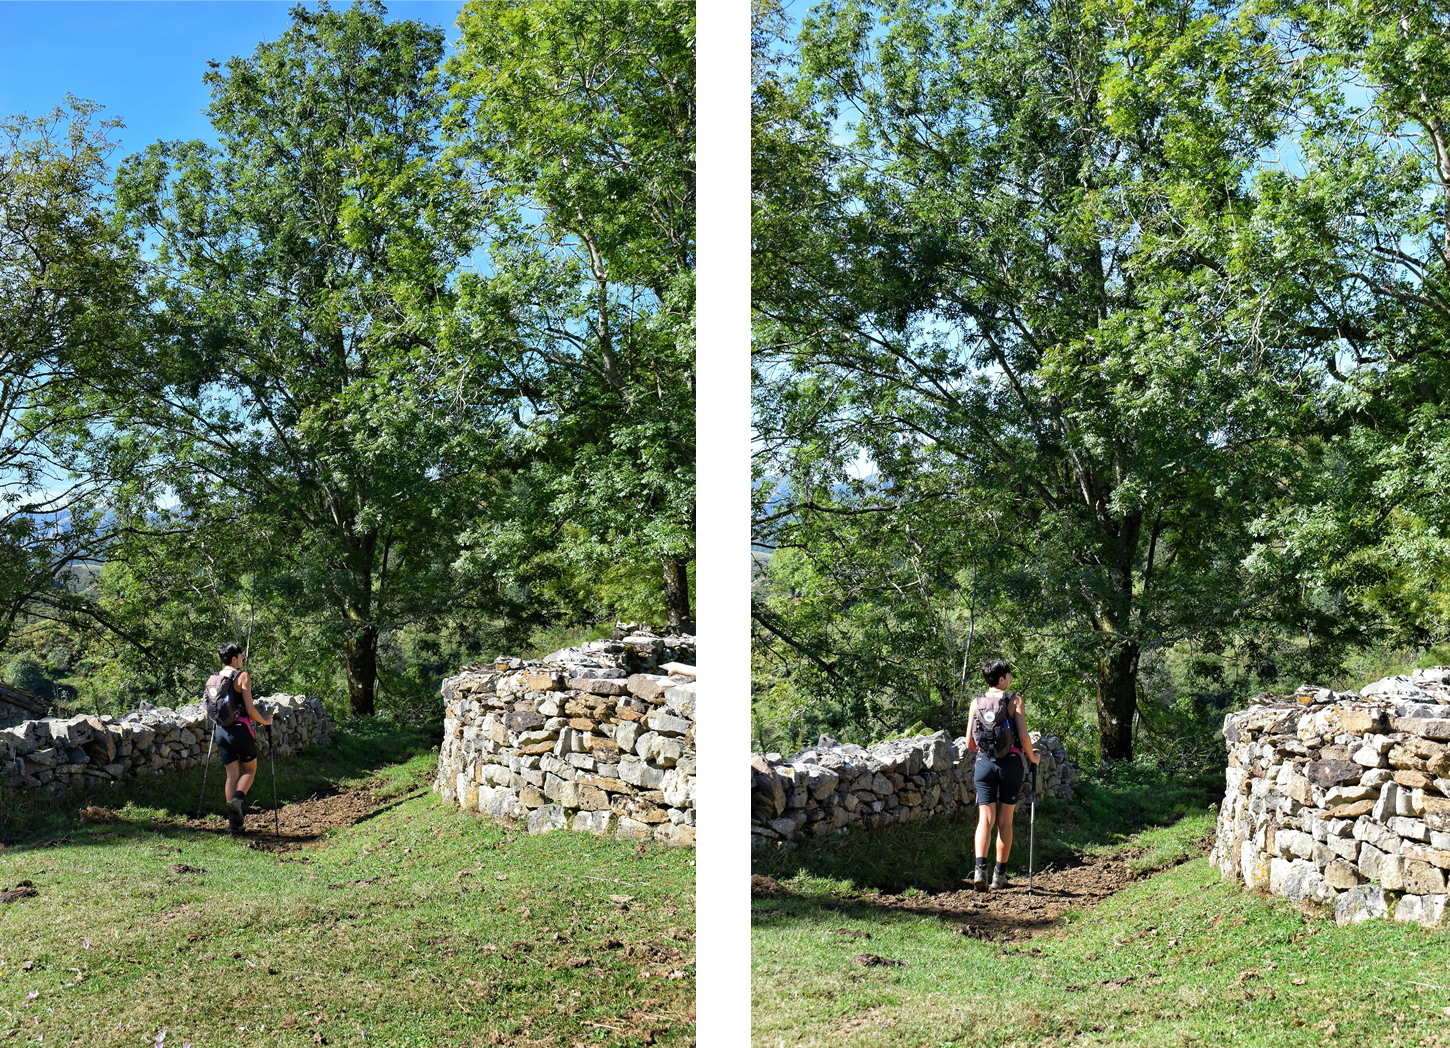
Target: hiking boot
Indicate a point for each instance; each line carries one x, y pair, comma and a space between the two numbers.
237, 813
979, 879
999, 878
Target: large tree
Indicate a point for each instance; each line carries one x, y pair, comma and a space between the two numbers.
67, 295
581, 119
1012, 271
292, 394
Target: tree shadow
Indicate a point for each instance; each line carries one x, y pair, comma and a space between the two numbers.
938, 855
357, 752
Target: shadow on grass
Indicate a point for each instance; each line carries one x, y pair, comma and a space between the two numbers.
359, 751
937, 855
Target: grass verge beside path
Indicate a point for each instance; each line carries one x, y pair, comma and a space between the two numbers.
1179, 958
1176, 957
419, 926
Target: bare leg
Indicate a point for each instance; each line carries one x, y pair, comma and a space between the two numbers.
986, 819
1005, 812
233, 770
244, 780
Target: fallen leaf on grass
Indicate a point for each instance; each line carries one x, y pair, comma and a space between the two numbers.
1245, 976
849, 932
621, 899
870, 960
23, 890
1300, 981
181, 867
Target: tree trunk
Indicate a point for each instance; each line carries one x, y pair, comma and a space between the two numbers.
677, 596
362, 670
1118, 702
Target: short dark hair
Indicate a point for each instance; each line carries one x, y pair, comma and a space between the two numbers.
228, 651
994, 670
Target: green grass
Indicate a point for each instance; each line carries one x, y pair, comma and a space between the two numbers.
1177, 957
419, 926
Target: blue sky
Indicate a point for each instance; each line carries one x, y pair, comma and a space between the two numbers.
143, 59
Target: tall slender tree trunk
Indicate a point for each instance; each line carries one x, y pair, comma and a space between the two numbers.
1118, 701
362, 632
362, 669
677, 596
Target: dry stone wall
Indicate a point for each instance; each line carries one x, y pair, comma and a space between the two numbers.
598, 738
86, 753
835, 785
1341, 801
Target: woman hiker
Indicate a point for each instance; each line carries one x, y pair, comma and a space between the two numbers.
237, 743
997, 733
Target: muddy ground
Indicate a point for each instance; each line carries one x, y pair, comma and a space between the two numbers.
287, 827
1004, 915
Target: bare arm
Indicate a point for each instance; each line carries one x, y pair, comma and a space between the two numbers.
971, 713
244, 685
1020, 713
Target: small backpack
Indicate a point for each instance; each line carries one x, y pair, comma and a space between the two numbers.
223, 704
992, 728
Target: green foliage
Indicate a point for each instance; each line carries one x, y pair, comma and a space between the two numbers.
319, 443
27, 672
591, 296
1118, 381
67, 284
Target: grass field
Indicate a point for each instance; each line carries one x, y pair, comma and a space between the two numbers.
420, 925
1176, 957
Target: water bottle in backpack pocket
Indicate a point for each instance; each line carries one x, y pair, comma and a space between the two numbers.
992, 728
223, 702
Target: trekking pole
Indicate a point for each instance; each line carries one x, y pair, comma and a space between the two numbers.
210, 741
276, 813
1031, 828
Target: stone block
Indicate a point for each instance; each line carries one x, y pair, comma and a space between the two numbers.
634, 830
638, 773
1427, 910
595, 822
1421, 878
591, 798
543, 680
601, 748
1327, 774
532, 797
1411, 829
613, 785
1363, 903
549, 817
647, 686
521, 721
1253, 865
500, 802
1413, 780
1425, 727
1342, 875
1293, 844
667, 725
1366, 829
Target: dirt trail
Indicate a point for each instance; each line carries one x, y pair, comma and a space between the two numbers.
284, 829
1001, 916
299, 823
